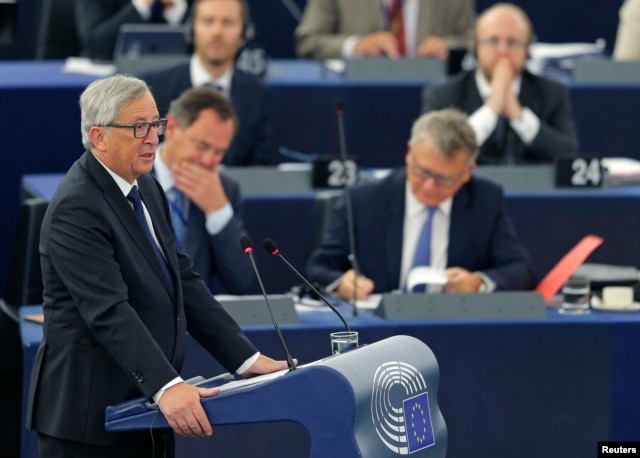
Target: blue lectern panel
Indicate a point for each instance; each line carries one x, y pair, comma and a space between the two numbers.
377, 401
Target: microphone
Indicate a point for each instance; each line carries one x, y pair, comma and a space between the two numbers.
293, 9
245, 243
347, 201
271, 247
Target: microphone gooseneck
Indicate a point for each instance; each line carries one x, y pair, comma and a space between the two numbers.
247, 248
347, 202
271, 247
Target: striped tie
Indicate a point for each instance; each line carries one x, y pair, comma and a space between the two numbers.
135, 198
178, 216
396, 24
422, 256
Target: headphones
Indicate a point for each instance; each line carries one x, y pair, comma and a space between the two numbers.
248, 29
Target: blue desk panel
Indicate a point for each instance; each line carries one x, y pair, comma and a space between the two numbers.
39, 122
541, 388
550, 223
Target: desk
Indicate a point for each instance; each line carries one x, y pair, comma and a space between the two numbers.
550, 223
594, 19
538, 388
40, 109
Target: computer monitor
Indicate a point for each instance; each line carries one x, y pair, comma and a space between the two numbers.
142, 47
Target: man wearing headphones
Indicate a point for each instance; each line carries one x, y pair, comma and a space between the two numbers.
219, 29
518, 117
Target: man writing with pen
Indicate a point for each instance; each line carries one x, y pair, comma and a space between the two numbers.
433, 213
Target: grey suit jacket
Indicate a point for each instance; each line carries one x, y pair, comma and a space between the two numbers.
549, 101
326, 24
114, 326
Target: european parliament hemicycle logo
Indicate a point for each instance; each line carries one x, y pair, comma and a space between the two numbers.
400, 408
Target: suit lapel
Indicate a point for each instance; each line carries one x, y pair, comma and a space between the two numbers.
526, 97
155, 206
393, 226
472, 99
458, 227
182, 81
123, 211
193, 241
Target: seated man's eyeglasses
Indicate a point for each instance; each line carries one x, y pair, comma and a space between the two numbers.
141, 129
424, 174
494, 42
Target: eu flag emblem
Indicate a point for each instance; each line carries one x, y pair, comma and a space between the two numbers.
417, 420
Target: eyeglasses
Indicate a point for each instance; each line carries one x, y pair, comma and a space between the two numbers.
494, 42
424, 174
141, 129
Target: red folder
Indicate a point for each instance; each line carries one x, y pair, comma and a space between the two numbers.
561, 272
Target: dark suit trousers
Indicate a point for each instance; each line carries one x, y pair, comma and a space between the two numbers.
161, 445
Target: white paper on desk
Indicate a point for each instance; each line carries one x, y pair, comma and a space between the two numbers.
565, 50
335, 65
87, 67
621, 166
371, 303
423, 275
235, 384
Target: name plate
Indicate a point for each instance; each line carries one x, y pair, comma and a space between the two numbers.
581, 172
253, 59
332, 172
506, 305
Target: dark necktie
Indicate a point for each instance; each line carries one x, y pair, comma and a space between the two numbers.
135, 198
396, 24
422, 256
215, 86
178, 216
503, 137
157, 10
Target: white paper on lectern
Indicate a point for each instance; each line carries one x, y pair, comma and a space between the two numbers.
423, 275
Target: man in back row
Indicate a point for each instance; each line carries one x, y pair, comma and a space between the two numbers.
518, 117
206, 205
219, 31
434, 213
394, 28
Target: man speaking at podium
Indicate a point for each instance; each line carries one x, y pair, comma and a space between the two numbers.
118, 295
434, 213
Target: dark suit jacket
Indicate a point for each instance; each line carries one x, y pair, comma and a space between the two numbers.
547, 99
253, 143
114, 328
481, 236
218, 257
99, 21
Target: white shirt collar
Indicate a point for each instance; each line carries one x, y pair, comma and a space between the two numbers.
200, 76
484, 87
163, 175
123, 184
413, 206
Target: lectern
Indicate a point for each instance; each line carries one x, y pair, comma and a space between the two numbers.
379, 400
